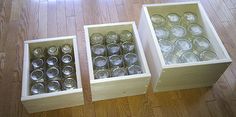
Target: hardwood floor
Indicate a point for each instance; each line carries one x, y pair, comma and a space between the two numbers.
30, 19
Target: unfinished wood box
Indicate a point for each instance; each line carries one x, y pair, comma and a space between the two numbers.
183, 75
54, 100
115, 87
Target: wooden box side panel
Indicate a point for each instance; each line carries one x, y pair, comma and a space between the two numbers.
119, 88
54, 102
151, 53
190, 76
212, 35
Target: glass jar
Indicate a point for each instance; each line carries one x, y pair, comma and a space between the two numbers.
52, 61
135, 69
53, 73
158, 20
69, 83
99, 50
112, 37
113, 49
37, 75
96, 38
102, 73
208, 55
53, 86
189, 57
37, 88
100, 62
128, 47
115, 61
130, 59
118, 71
126, 36
162, 33
37, 63
67, 49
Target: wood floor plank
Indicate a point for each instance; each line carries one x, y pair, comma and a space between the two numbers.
52, 18
43, 19
61, 18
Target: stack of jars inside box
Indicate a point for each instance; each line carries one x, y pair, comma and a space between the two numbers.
114, 54
181, 38
52, 69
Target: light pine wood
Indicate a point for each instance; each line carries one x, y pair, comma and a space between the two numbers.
115, 87
55, 100
22, 23
184, 75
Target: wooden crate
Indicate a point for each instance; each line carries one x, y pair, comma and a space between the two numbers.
117, 86
55, 100
184, 75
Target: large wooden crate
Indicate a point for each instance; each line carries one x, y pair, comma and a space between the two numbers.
115, 87
184, 75
54, 100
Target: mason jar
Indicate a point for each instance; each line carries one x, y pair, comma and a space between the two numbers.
181, 46
130, 59
102, 73
126, 36
37, 75
200, 44
53, 73
189, 57
53, 51
115, 61
162, 33
69, 83
208, 55
67, 59
68, 71
173, 19
177, 32
189, 18
67, 49
112, 37
158, 20
118, 71
100, 62
135, 69
37, 88
99, 50
38, 63
38, 52
53, 86
97, 38
52, 61
113, 49
128, 47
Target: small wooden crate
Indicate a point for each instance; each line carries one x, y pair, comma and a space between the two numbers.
55, 100
184, 75
117, 86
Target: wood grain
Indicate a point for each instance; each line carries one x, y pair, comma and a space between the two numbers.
28, 19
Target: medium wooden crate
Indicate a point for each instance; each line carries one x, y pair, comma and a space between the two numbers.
184, 75
54, 100
117, 86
